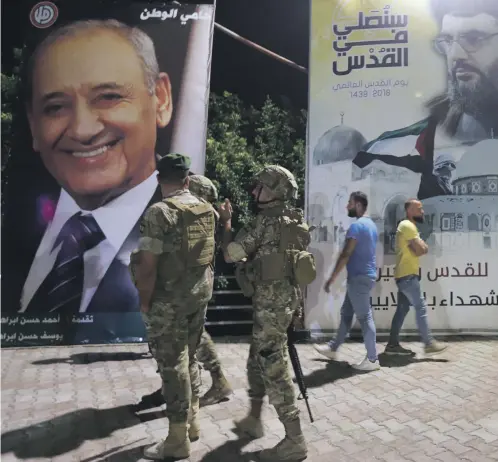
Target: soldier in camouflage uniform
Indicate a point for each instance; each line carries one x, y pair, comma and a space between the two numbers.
204, 188
173, 274
276, 297
220, 390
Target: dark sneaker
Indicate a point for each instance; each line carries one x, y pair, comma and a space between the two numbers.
398, 350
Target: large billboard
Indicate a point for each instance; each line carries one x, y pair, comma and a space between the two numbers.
106, 88
404, 104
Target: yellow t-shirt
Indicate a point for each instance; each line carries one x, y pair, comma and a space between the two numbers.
407, 263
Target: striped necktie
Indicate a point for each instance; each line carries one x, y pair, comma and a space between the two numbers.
63, 287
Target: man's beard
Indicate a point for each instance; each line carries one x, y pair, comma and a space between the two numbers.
477, 98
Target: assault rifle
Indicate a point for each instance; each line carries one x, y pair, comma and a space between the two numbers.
296, 365
156, 399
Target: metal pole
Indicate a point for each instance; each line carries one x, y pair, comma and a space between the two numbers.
260, 48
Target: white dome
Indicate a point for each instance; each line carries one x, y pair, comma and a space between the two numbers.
338, 143
479, 160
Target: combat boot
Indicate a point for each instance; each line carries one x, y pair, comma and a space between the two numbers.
175, 446
194, 427
252, 425
291, 448
220, 389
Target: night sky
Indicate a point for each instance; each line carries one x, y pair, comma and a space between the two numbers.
279, 25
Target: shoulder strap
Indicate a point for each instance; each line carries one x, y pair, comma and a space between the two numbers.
174, 203
196, 209
292, 230
284, 235
201, 209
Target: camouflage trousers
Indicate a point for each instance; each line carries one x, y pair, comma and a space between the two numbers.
174, 334
206, 353
268, 364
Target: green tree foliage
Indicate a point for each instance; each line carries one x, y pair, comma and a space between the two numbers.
241, 139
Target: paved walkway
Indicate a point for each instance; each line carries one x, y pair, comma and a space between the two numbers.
71, 404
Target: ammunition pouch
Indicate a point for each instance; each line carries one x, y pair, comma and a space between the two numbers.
291, 261
244, 276
273, 267
297, 265
304, 266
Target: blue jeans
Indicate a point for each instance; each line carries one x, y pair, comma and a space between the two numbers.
409, 293
357, 302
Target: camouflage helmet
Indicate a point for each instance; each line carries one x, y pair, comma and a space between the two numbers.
203, 187
279, 181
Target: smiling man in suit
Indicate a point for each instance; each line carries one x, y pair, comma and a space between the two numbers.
95, 101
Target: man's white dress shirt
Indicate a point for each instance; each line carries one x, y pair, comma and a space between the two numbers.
116, 219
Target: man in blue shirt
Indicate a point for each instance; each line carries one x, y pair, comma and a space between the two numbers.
358, 255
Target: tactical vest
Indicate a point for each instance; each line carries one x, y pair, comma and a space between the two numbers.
197, 248
292, 261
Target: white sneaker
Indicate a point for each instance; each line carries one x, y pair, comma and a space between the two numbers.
326, 351
366, 365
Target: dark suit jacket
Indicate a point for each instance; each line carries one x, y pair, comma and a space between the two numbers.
22, 233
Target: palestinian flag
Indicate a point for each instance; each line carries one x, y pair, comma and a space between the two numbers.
408, 141
411, 148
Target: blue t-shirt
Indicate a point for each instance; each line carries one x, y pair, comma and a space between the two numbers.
363, 262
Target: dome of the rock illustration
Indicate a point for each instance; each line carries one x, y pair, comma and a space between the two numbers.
480, 159
338, 143
477, 171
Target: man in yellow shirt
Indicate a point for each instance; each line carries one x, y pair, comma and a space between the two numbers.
409, 247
